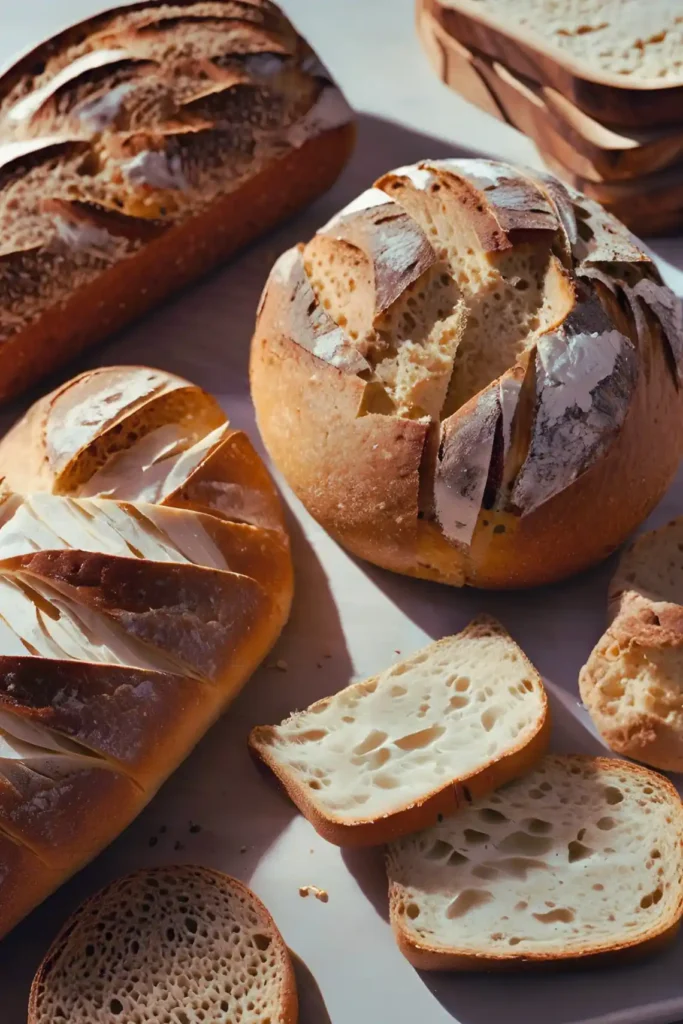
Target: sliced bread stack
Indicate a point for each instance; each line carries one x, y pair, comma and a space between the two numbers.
499, 853
598, 87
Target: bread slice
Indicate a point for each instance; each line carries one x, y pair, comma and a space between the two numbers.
584, 145
619, 61
579, 858
632, 684
386, 756
176, 943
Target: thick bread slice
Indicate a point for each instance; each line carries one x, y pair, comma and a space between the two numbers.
179, 943
386, 756
632, 684
557, 126
620, 62
579, 858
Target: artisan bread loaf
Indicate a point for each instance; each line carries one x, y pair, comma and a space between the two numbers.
178, 943
632, 683
462, 366
580, 858
384, 757
137, 150
619, 61
130, 617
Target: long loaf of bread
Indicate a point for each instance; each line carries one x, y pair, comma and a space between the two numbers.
137, 150
141, 582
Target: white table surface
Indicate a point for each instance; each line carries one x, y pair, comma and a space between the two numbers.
349, 969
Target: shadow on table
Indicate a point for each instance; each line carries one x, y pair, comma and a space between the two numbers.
312, 1008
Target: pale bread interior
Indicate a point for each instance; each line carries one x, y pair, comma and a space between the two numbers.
624, 37
579, 855
458, 327
385, 744
652, 567
174, 944
632, 683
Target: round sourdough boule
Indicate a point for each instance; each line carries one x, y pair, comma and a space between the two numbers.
179, 944
471, 374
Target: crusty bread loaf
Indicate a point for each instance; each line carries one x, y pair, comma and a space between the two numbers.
581, 858
632, 683
183, 943
462, 366
618, 61
137, 150
384, 757
129, 617
577, 141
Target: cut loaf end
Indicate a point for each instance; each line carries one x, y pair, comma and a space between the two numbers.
386, 756
179, 943
580, 858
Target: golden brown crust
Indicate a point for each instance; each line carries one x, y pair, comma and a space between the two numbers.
373, 477
310, 415
189, 249
137, 151
105, 709
132, 655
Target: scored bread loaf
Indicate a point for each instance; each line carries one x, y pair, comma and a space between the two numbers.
464, 364
144, 573
384, 757
618, 61
632, 684
138, 149
581, 858
179, 943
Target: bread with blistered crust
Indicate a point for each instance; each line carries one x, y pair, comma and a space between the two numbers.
145, 571
459, 417
140, 148
632, 684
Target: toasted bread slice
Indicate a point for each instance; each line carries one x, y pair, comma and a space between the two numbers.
386, 756
580, 858
177, 943
632, 684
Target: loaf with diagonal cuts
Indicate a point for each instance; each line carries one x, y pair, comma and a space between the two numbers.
471, 374
144, 573
140, 148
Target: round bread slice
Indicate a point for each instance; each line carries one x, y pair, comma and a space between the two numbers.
632, 684
181, 944
581, 858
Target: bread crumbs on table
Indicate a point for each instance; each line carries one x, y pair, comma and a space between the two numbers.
194, 828
153, 840
312, 890
243, 849
178, 845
